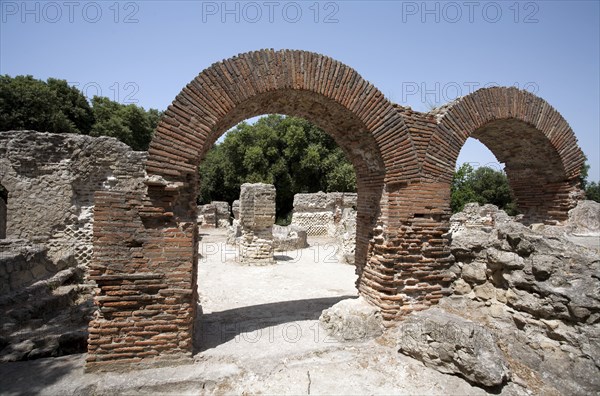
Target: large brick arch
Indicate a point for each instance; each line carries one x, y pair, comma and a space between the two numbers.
300, 83
536, 144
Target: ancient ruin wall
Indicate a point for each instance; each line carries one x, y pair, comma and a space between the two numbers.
329, 214
403, 161
216, 214
3, 199
320, 213
51, 180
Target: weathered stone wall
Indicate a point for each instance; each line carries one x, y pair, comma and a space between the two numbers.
537, 290
22, 263
216, 214
286, 238
346, 235
329, 214
321, 213
257, 216
51, 179
3, 198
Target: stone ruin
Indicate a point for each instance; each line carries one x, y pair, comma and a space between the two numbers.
321, 214
46, 214
142, 254
329, 214
3, 199
241, 234
286, 238
216, 214
257, 216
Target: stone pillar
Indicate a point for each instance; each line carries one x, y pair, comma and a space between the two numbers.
207, 216
257, 216
222, 214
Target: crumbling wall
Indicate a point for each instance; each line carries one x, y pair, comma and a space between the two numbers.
216, 214
21, 263
321, 213
51, 179
235, 230
257, 216
286, 238
346, 235
329, 214
537, 284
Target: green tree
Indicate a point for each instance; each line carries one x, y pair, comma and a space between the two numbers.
482, 185
52, 106
289, 152
73, 104
592, 191
129, 123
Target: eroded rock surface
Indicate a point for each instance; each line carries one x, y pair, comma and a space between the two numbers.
352, 320
453, 345
536, 291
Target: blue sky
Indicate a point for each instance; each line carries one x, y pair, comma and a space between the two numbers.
417, 53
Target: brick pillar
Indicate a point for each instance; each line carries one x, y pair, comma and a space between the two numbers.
257, 216
410, 253
144, 264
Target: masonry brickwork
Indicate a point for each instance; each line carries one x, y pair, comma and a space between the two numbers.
50, 180
145, 244
257, 216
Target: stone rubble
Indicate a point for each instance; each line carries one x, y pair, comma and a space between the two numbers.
286, 238
537, 294
453, 345
352, 320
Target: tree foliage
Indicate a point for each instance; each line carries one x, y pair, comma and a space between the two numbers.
54, 106
482, 185
289, 152
591, 189
129, 123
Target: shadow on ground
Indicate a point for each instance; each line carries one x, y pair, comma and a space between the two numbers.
32, 377
216, 328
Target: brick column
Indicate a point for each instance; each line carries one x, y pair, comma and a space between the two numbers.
257, 216
144, 265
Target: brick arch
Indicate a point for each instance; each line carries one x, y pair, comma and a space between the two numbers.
328, 93
301, 83
536, 144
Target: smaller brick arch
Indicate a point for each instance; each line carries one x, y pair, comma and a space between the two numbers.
536, 144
